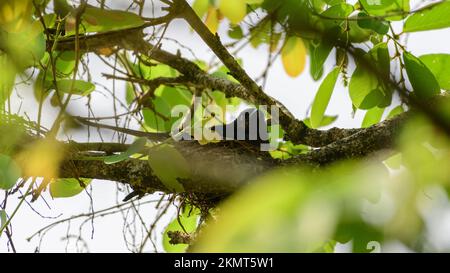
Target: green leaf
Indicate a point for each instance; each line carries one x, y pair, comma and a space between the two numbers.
169, 166
363, 88
386, 7
129, 93
367, 22
396, 111
372, 117
439, 65
318, 52
236, 32
3, 219
329, 247
102, 20
64, 188
422, 80
326, 120
287, 150
361, 233
7, 78
367, 85
77, 87
9, 172
323, 97
312, 205
379, 55
64, 67
358, 34
189, 220
376, 6
200, 7
134, 148
159, 118
25, 48
436, 16
341, 10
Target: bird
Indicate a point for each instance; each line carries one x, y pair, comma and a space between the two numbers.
250, 126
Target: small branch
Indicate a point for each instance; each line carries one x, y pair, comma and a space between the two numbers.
179, 237
150, 136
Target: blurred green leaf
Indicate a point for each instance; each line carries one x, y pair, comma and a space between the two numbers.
25, 48
361, 234
298, 207
169, 166
200, 7
9, 172
64, 188
394, 162
3, 220
7, 78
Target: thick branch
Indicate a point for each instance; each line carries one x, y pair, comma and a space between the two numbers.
217, 169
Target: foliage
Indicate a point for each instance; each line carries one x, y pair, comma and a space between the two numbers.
297, 204
305, 210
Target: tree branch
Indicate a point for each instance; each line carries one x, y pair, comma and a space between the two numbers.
133, 39
217, 169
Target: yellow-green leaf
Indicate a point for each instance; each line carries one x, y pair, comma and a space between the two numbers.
77, 87
200, 7
9, 172
439, 65
436, 16
293, 56
234, 10
323, 97
212, 20
372, 117
64, 188
169, 166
